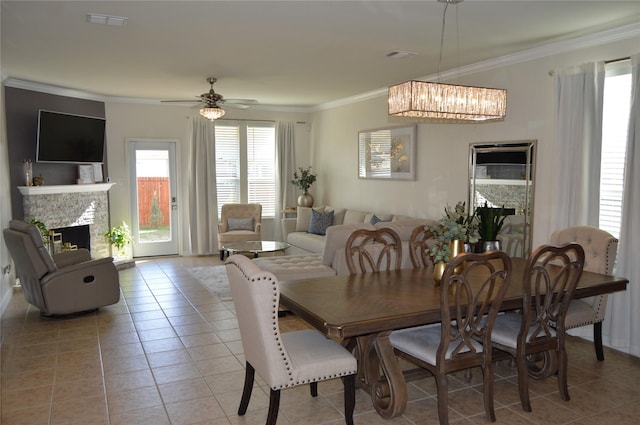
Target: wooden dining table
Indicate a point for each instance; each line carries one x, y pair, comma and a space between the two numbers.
367, 307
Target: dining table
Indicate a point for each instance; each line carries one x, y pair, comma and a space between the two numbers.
361, 310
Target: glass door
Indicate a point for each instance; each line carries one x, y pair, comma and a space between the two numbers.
153, 198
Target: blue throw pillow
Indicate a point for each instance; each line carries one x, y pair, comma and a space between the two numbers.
240, 224
319, 222
375, 220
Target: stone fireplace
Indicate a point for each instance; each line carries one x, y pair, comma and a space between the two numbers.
70, 206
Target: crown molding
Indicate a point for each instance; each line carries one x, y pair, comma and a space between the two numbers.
583, 42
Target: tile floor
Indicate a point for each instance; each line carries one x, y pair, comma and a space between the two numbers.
170, 353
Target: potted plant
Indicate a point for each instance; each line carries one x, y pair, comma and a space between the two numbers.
41, 227
490, 221
119, 237
303, 179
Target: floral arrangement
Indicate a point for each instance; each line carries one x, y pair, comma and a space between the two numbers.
456, 224
303, 179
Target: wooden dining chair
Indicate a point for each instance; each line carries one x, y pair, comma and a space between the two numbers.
373, 250
548, 284
463, 339
283, 360
419, 247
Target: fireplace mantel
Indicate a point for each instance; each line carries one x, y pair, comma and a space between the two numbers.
67, 188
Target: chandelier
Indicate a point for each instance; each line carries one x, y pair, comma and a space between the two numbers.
212, 113
446, 102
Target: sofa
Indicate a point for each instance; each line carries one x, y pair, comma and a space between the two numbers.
321, 255
304, 238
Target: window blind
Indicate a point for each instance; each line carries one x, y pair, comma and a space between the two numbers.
251, 147
227, 164
615, 124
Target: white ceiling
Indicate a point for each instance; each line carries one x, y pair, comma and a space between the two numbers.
284, 53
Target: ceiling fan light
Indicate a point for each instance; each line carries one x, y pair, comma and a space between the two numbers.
212, 113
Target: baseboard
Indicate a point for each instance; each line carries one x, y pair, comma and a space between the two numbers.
6, 299
124, 264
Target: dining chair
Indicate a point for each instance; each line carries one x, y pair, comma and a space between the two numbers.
600, 249
419, 247
373, 250
548, 284
287, 359
463, 339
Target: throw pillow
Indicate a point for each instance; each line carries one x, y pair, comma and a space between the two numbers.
240, 224
319, 222
375, 220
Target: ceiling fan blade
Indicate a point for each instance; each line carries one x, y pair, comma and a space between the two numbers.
180, 101
242, 101
235, 105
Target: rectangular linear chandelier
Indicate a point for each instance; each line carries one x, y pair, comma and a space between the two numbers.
437, 102
447, 102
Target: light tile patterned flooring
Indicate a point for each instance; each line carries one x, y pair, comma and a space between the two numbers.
170, 353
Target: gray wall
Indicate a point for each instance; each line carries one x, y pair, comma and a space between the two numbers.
22, 129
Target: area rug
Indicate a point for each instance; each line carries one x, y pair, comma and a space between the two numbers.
214, 278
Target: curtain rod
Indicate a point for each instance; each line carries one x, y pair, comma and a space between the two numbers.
551, 71
245, 120
618, 60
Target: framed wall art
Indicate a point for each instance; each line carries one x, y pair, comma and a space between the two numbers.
86, 174
387, 153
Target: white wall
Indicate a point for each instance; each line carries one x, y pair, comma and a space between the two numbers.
442, 151
6, 279
127, 121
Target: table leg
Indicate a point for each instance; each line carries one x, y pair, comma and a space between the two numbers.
542, 365
384, 377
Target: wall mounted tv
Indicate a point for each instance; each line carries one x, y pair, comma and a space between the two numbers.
69, 138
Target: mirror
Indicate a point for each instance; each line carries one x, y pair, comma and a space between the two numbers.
503, 174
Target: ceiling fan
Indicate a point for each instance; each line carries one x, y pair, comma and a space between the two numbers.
211, 99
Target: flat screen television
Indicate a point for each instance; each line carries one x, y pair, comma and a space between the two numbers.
70, 138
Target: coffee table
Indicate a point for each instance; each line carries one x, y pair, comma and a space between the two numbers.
255, 247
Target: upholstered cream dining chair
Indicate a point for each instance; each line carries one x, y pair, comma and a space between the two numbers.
600, 249
239, 223
287, 359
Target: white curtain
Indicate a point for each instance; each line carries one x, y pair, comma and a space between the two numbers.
285, 163
200, 211
579, 99
624, 307
579, 103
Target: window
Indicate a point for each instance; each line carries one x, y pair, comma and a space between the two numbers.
246, 164
615, 124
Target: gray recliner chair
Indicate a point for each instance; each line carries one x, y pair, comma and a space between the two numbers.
65, 283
